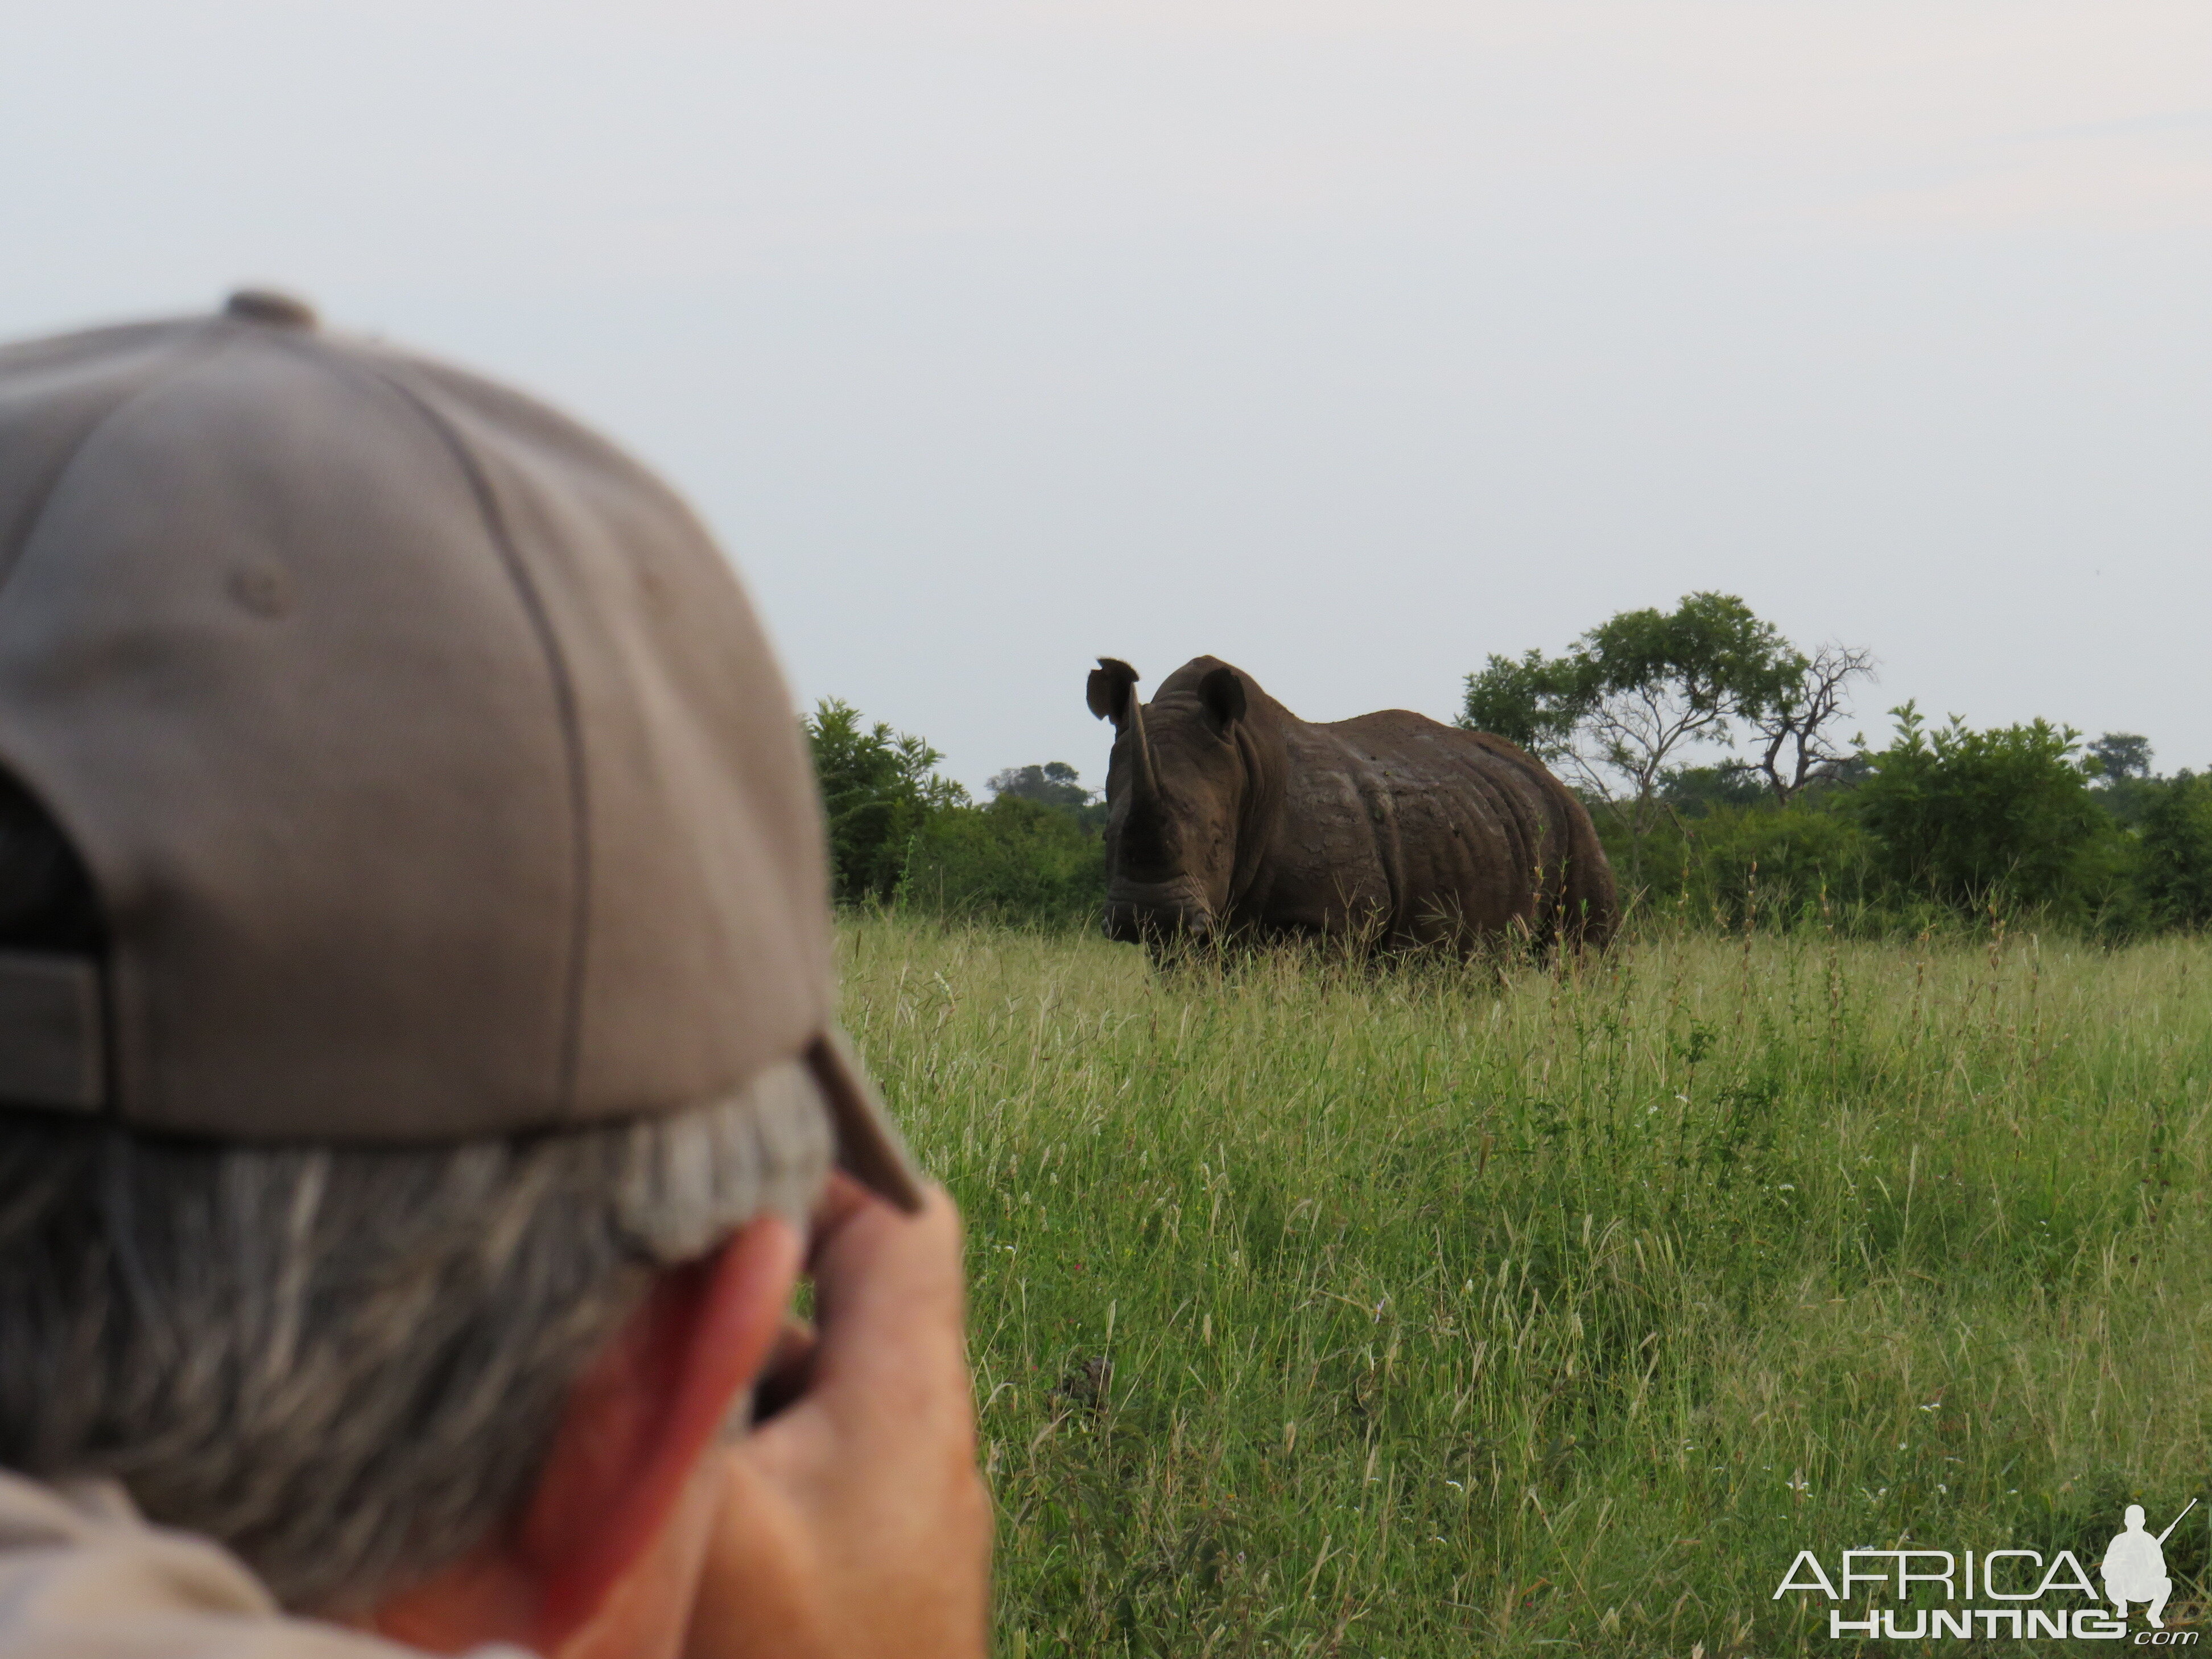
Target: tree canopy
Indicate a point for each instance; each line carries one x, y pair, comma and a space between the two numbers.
1619, 708
878, 787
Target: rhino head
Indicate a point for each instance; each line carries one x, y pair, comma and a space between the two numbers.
1177, 793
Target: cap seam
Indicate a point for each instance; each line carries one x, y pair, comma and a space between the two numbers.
566, 705
193, 354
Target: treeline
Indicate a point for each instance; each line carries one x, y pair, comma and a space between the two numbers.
1945, 825
901, 834
1711, 750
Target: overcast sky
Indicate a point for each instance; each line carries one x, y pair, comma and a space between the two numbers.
1349, 341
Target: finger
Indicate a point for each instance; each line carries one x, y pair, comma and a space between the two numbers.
883, 1276
841, 1198
889, 1310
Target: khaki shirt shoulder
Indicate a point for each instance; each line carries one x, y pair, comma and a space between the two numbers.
82, 1576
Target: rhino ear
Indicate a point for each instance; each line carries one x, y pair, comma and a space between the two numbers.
1222, 691
1107, 690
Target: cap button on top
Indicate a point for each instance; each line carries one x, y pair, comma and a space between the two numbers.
262, 304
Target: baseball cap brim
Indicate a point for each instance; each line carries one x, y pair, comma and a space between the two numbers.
869, 1148
50, 1042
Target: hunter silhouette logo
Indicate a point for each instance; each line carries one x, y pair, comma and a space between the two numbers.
2135, 1566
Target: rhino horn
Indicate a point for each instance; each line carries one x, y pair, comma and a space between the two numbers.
1111, 693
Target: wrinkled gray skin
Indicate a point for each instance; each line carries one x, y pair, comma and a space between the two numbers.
1229, 816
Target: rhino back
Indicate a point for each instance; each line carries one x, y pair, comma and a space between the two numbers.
1425, 829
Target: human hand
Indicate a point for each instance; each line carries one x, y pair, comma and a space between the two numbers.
852, 1523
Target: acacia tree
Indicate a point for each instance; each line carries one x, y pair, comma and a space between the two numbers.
1796, 728
1617, 708
1533, 700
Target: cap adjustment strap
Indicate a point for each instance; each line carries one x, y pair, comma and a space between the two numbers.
50, 1032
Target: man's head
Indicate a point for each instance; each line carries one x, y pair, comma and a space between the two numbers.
413, 967
2134, 1517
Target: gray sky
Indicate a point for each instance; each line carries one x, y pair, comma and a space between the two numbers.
1347, 341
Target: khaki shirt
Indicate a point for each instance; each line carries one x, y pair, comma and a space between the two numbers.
82, 1576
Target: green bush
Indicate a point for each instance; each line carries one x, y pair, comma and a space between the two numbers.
879, 787
2173, 873
2003, 817
1808, 863
1014, 860
1775, 865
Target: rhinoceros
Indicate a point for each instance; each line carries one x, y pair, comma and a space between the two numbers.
1229, 816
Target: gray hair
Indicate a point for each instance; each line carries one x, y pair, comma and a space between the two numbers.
346, 1363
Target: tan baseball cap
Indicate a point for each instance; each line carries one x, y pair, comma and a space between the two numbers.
432, 776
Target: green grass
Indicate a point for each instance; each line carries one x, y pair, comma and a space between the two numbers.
1443, 1311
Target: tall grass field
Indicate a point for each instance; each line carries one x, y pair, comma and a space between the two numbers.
1540, 1309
